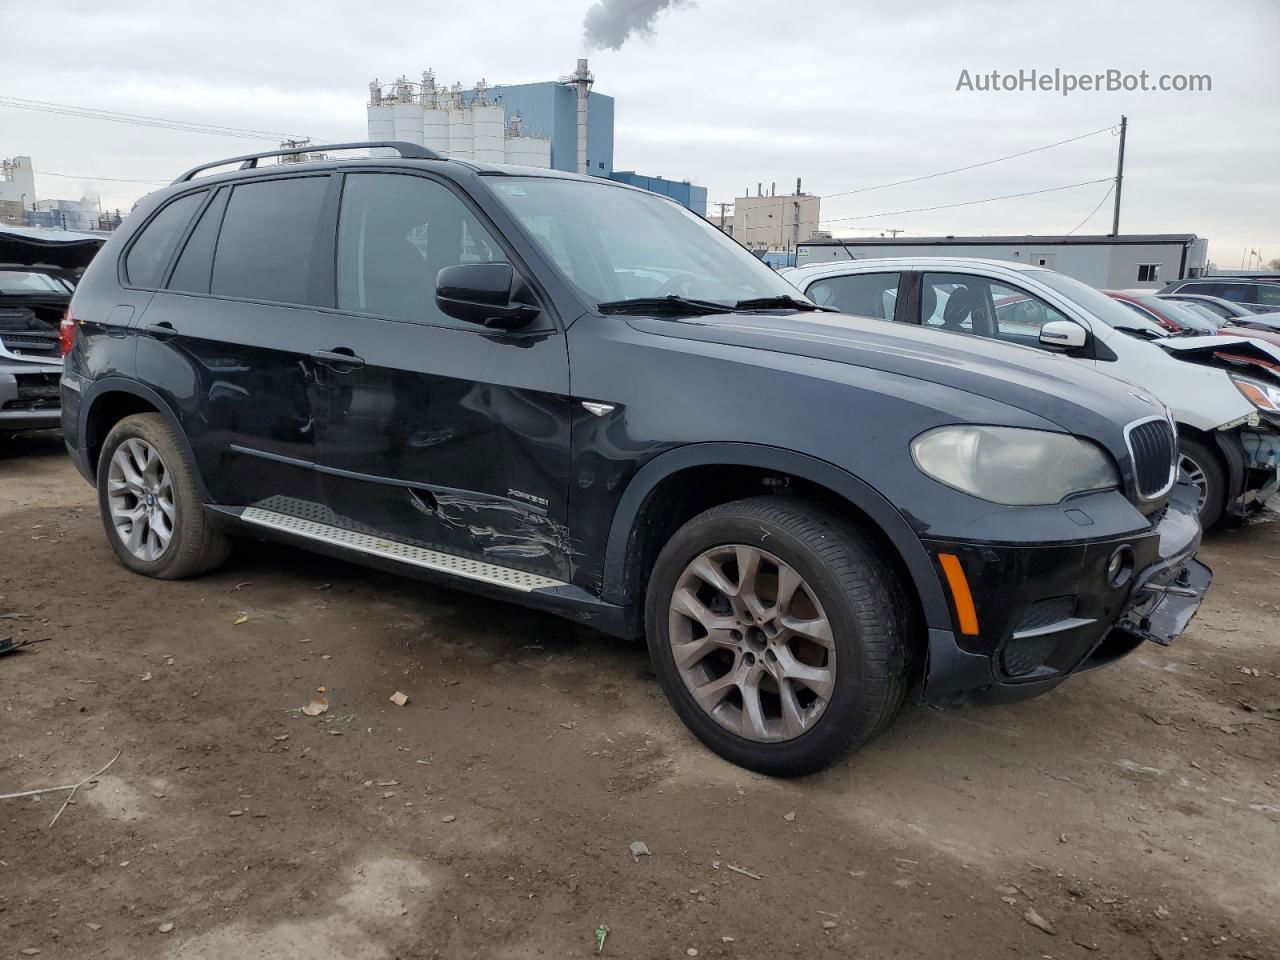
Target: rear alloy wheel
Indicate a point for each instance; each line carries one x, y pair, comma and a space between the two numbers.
779, 634
140, 499
150, 504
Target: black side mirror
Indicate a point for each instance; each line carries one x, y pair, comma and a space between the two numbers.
482, 293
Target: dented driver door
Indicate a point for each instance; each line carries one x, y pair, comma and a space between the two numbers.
432, 431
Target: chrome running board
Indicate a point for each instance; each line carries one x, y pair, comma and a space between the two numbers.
401, 552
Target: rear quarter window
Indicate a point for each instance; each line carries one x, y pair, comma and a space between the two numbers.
195, 263
149, 254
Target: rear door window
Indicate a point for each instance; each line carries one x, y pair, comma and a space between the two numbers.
861, 294
269, 230
148, 256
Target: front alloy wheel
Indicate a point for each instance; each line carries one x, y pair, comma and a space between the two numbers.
140, 498
779, 632
752, 643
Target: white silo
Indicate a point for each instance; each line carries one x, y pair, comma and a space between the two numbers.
381, 119
528, 151
435, 118
435, 130
408, 121
487, 131
461, 141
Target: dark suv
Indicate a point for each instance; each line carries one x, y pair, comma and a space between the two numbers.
577, 395
1261, 296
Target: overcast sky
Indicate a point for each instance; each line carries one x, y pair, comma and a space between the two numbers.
726, 93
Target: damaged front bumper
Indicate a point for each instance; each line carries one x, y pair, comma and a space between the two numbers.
1261, 449
29, 398
1049, 611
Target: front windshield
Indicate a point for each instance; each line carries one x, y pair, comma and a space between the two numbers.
1109, 311
617, 244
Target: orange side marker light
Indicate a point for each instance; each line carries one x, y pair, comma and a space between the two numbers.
960, 593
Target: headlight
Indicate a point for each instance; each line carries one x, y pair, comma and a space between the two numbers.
1264, 396
1011, 465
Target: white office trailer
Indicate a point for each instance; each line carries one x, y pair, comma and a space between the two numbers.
1121, 262
468, 126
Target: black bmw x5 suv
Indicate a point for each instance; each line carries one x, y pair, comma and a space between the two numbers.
577, 395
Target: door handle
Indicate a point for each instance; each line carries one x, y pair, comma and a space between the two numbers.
339, 359
163, 330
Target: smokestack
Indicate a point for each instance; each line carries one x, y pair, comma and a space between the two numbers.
773, 189
760, 189
797, 186
582, 80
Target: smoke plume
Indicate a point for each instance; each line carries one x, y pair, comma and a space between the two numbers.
609, 23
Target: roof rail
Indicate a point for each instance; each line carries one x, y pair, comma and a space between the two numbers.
412, 151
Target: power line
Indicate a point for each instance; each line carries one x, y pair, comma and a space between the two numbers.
968, 203
142, 120
972, 166
1094, 210
72, 176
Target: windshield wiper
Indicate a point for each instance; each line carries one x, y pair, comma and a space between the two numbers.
669, 306
783, 302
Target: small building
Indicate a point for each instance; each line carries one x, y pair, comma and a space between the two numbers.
772, 221
18, 182
1124, 261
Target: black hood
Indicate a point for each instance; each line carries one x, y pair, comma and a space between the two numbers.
1064, 391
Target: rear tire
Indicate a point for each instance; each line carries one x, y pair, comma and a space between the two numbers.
771, 697
150, 505
1206, 470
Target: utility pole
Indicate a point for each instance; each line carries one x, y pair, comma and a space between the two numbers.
1115, 216
722, 206
894, 231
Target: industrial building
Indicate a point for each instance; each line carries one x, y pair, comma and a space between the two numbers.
690, 194
17, 180
1124, 261
560, 124
19, 205
772, 222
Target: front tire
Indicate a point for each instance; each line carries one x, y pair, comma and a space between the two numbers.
779, 634
149, 503
1205, 470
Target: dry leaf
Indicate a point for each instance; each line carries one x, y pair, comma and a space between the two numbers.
318, 705
399, 699
243, 618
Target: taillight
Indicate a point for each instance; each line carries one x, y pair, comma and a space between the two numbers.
67, 333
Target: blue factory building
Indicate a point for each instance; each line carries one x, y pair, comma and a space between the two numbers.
682, 191
549, 109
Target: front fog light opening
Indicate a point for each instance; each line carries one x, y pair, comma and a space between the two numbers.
1120, 566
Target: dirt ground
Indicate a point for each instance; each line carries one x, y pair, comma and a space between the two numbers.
1136, 810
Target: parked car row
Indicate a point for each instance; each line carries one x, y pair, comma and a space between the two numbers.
577, 395
38, 272
1255, 294
1222, 383
1226, 310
